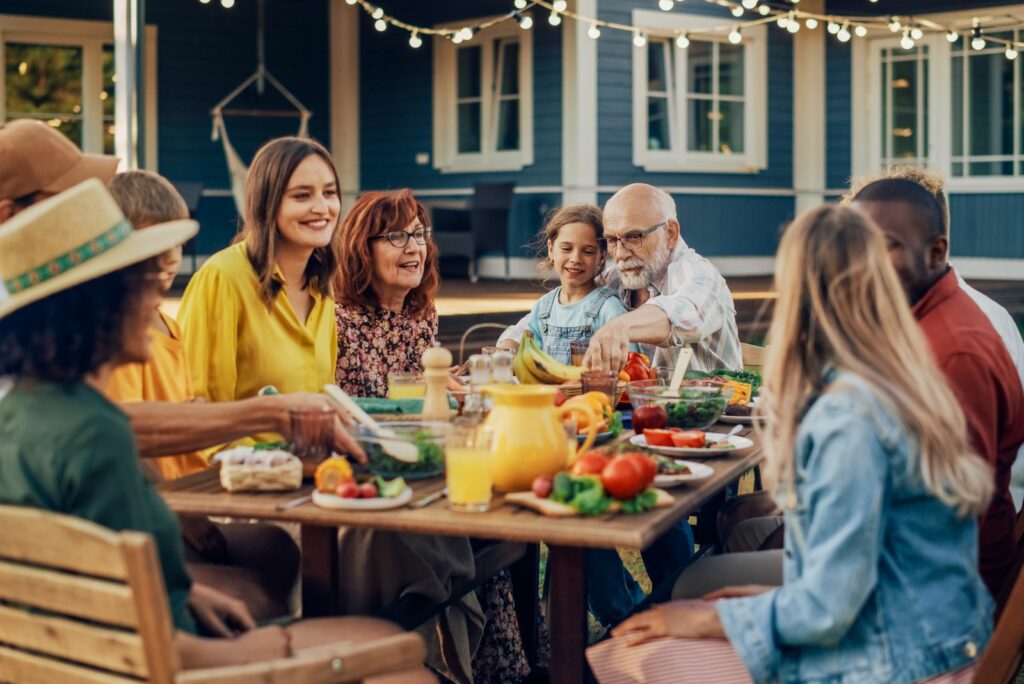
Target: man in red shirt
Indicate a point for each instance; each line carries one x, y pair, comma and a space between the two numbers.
965, 345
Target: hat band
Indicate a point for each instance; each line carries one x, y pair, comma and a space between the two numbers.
67, 261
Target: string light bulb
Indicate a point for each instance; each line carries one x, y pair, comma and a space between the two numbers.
895, 25
811, 23
555, 19
844, 33
833, 28
1011, 53
860, 31
916, 33
793, 26
594, 32
467, 33
749, 4
526, 23
639, 40
227, 4
414, 40
682, 41
380, 25
205, 2
906, 42
560, 5
735, 37
952, 36
520, 4
764, 10
737, 11
782, 21
347, 2
377, 13
666, 5
978, 40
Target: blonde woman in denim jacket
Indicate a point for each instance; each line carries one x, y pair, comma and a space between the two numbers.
867, 452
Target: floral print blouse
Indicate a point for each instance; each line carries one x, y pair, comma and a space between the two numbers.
373, 342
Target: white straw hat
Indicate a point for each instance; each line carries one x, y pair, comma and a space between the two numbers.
71, 238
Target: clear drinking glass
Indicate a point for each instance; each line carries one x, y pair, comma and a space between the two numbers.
312, 432
601, 381
489, 351
469, 463
406, 386
578, 349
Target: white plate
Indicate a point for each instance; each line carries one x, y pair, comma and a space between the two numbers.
734, 444
738, 420
698, 471
375, 504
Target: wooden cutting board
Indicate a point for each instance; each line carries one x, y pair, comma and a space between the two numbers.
555, 509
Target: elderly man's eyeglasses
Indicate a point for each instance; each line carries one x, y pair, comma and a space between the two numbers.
632, 239
400, 238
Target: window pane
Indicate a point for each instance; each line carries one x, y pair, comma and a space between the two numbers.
904, 110
509, 68
730, 69
469, 71
109, 85
508, 125
469, 127
45, 82
996, 168
658, 135
730, 127
958, 107
699, 64
700, 125
958, 168
657, 78
991, 105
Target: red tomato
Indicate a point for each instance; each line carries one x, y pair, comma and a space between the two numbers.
348, 490
658, 437
367, 490
623, 478
654, 417
648, 468
542, 486
590, 463
689, 439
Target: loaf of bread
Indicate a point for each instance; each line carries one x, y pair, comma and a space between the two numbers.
244, 469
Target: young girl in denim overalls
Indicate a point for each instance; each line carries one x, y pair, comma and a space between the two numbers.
575, 309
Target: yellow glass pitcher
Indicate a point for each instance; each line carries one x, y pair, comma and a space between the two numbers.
528, 434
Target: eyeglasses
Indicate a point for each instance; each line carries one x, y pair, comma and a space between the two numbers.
632, 239
400, 238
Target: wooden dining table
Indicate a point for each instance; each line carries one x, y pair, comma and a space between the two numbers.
567, 538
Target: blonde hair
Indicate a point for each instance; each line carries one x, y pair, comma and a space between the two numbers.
841, 305
147, 198
931, 181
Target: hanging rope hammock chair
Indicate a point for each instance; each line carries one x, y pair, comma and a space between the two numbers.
236, 167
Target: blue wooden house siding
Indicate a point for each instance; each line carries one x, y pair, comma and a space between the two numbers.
744, 223
983, 224
203, 52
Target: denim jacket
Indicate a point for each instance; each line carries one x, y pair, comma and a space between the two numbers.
881, 580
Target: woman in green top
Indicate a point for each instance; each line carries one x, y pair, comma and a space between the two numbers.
77, 290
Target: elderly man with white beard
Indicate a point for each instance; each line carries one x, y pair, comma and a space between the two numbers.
675, 296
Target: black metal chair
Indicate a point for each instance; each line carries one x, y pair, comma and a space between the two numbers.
486, 229
191, 192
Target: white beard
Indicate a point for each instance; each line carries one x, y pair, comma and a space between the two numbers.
634, 280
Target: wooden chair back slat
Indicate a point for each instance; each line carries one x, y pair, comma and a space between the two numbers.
84, 597
111, 649
111, 614
324, 665
30, 535
26, 668
753, 355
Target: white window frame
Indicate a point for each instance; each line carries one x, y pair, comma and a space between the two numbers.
447, 157
866, 112
90, 36
666, 25
877, 78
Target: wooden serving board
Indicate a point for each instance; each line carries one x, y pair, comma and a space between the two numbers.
555, 509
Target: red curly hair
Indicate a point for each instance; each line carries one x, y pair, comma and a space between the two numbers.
373, 214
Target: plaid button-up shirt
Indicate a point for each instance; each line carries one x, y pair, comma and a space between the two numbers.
699, 306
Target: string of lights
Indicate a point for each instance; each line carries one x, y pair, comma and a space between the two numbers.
787, 17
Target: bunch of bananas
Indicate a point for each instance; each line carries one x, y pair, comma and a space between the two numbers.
533, 366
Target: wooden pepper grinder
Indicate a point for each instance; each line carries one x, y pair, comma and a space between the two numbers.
436, 362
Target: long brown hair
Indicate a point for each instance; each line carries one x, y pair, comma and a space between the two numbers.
841, 304
562, 216
265, 185
373, 214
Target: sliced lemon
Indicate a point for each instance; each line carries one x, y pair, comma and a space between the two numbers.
331, 473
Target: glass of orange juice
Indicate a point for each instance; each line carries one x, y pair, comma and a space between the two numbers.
469, 457
406, 386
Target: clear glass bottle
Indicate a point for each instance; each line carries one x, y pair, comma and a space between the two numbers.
501, 368
474, 409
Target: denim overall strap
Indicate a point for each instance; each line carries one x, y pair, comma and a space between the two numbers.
544, 306
594, 307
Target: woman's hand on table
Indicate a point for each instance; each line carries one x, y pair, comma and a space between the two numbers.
670, 620
738, 591
219, 613
341, 442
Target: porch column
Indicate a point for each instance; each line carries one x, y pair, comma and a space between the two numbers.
129, 32
579, 107
809, 112
345, 98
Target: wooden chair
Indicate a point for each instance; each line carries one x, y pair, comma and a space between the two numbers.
753, 355
82, 604
1005, 653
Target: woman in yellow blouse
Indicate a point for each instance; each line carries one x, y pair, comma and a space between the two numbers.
260, 312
